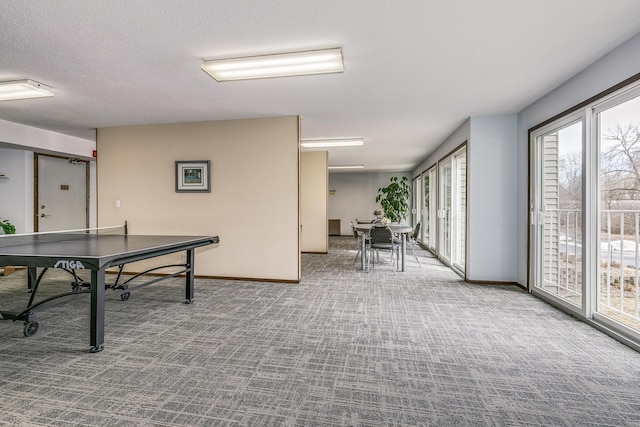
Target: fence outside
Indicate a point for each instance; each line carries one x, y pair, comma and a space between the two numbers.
619, 267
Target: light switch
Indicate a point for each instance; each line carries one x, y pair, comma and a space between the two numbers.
117, 203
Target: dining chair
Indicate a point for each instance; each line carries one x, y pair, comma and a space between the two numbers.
382, 239
358, 237
413, 240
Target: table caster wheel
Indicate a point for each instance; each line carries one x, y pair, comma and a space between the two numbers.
97, 348
189, 301
30, 328
125, 296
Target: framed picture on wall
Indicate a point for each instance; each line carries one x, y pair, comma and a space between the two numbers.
193, 176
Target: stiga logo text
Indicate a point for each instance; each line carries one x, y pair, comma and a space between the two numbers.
64, 263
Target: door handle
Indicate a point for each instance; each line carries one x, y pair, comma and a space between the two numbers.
44, 215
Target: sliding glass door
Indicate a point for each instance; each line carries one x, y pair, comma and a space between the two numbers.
585, 211
416, 198
444, 210
459, 233
429, 212
452, 208
556, 210
618, 135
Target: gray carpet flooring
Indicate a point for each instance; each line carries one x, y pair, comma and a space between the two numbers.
342, 348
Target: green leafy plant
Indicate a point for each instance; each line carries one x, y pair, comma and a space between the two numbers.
394, 198
7, 227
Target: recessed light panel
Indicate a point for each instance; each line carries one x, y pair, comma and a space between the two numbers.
346, 167
277, 65
23, 89
329, 143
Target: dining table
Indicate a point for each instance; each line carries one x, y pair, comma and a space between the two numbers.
399, 229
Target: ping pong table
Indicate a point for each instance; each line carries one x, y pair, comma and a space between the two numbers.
73, 251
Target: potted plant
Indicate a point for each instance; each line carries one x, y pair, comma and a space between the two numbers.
7, 227
394, 198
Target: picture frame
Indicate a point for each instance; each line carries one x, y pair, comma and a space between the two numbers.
193, 176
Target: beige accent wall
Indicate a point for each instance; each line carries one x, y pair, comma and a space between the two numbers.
253, 205
314, 187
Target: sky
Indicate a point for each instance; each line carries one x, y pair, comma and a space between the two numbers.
626, 113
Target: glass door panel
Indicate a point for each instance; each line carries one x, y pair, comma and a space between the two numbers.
444, 210
452, 209
433, 208
557, 212
429, 213
618, 295
424, 232
460, 204
416, 210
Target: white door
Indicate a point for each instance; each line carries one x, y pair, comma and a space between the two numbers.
61, 194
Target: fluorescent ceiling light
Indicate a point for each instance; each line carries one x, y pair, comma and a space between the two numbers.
328, 143
277, 65
23, 89
347, 167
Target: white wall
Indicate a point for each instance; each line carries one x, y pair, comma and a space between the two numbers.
44, 141
458, 137
314, 233
355, 196
253, 205
16, 191
491, 157
618, 65
491, 204
17, 144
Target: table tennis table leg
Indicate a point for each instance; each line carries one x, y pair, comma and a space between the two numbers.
31, 278
97, 310
189, 276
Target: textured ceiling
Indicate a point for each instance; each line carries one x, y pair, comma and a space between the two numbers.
414, 70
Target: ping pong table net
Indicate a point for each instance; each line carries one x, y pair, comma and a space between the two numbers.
7, 240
